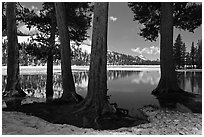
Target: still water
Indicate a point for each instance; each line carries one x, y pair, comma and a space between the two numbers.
129, 89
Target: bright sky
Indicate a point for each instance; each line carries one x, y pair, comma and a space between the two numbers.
123, 32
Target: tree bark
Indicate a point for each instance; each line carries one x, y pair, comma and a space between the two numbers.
49, 83
168, 80
13, 88
69, 93
96, 100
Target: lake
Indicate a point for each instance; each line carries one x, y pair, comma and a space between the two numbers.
129, 89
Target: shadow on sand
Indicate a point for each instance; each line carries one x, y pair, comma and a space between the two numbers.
58, 112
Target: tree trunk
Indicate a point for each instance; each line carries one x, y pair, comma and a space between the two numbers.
69, 93
168, 91
13, 88
168, 80
96, 100
49, 83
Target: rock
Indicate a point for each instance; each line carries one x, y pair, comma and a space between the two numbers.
182, 108
141, 115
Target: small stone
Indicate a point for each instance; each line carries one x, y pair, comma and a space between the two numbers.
181, 133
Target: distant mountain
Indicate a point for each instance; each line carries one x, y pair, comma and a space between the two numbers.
115, 58
142, 57
81, 55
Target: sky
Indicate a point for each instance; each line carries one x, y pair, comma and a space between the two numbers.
123, 32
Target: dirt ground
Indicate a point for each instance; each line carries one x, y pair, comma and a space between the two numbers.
162, 122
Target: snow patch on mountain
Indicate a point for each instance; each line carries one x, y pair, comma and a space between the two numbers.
143, 58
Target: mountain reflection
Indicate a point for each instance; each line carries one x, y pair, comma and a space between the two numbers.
35, 85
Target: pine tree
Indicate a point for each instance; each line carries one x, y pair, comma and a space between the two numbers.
199, 55
188, 59
155, 17
78, 17
177, 51
96, 100
13, 88
183, 55
68, 86
193, 55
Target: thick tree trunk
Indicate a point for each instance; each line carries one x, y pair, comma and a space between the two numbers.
13, 88
168, 91
49, 83
168, 80
69, 93
96, 100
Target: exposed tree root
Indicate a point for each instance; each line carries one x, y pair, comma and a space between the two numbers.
72, 98
64, 114
107, 116
169, 98
13, 98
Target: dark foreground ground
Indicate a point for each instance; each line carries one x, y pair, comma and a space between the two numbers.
58, 112
163, 122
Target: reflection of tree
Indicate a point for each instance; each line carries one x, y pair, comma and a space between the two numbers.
34, 85
193, 78
192, 81
181, 79
79, 77
116, 74
188, 75
198, 81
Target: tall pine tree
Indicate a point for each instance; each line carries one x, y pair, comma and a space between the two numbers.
183, 55
179, 52
13, 92
199, 55
78, 18
193, 55
96, 100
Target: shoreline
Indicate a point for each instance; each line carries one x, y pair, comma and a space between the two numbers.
57, 69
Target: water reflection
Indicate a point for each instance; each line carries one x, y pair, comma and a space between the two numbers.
150, 77
190, 81
130, 89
